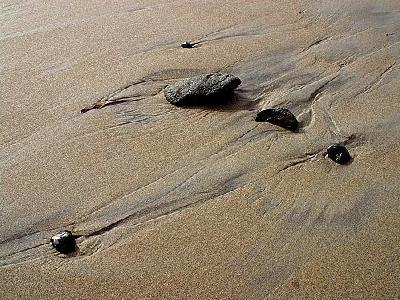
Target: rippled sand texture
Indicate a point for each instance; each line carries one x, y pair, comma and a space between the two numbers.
199, 203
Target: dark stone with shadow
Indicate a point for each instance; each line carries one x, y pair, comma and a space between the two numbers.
203, 90
187, 44
64, 242
339, 154
278, 116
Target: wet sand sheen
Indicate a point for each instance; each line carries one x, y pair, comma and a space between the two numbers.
199, 203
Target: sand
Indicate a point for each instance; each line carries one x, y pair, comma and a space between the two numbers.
200, 203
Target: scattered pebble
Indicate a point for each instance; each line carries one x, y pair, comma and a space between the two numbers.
64, 242
339, 154
205, 89
278, 116
187, 44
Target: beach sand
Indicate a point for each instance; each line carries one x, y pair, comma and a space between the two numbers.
199, 203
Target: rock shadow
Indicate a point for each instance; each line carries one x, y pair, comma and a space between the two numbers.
233, 101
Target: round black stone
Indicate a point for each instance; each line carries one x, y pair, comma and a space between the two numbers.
278, 116
64, 242
187, 44
339, 154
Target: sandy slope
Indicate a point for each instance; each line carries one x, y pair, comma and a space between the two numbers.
199, 203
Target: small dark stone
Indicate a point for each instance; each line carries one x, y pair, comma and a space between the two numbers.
64, 242
200, 90
339, 154
278, 116
187, 44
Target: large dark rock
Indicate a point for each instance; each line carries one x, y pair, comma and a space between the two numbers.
202, 90
339, 154
64, 242
278, 116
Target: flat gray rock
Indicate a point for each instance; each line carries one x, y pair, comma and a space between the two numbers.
202, 90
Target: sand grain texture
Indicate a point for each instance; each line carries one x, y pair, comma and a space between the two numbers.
199, 203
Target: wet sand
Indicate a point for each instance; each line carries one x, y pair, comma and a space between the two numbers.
200, 203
